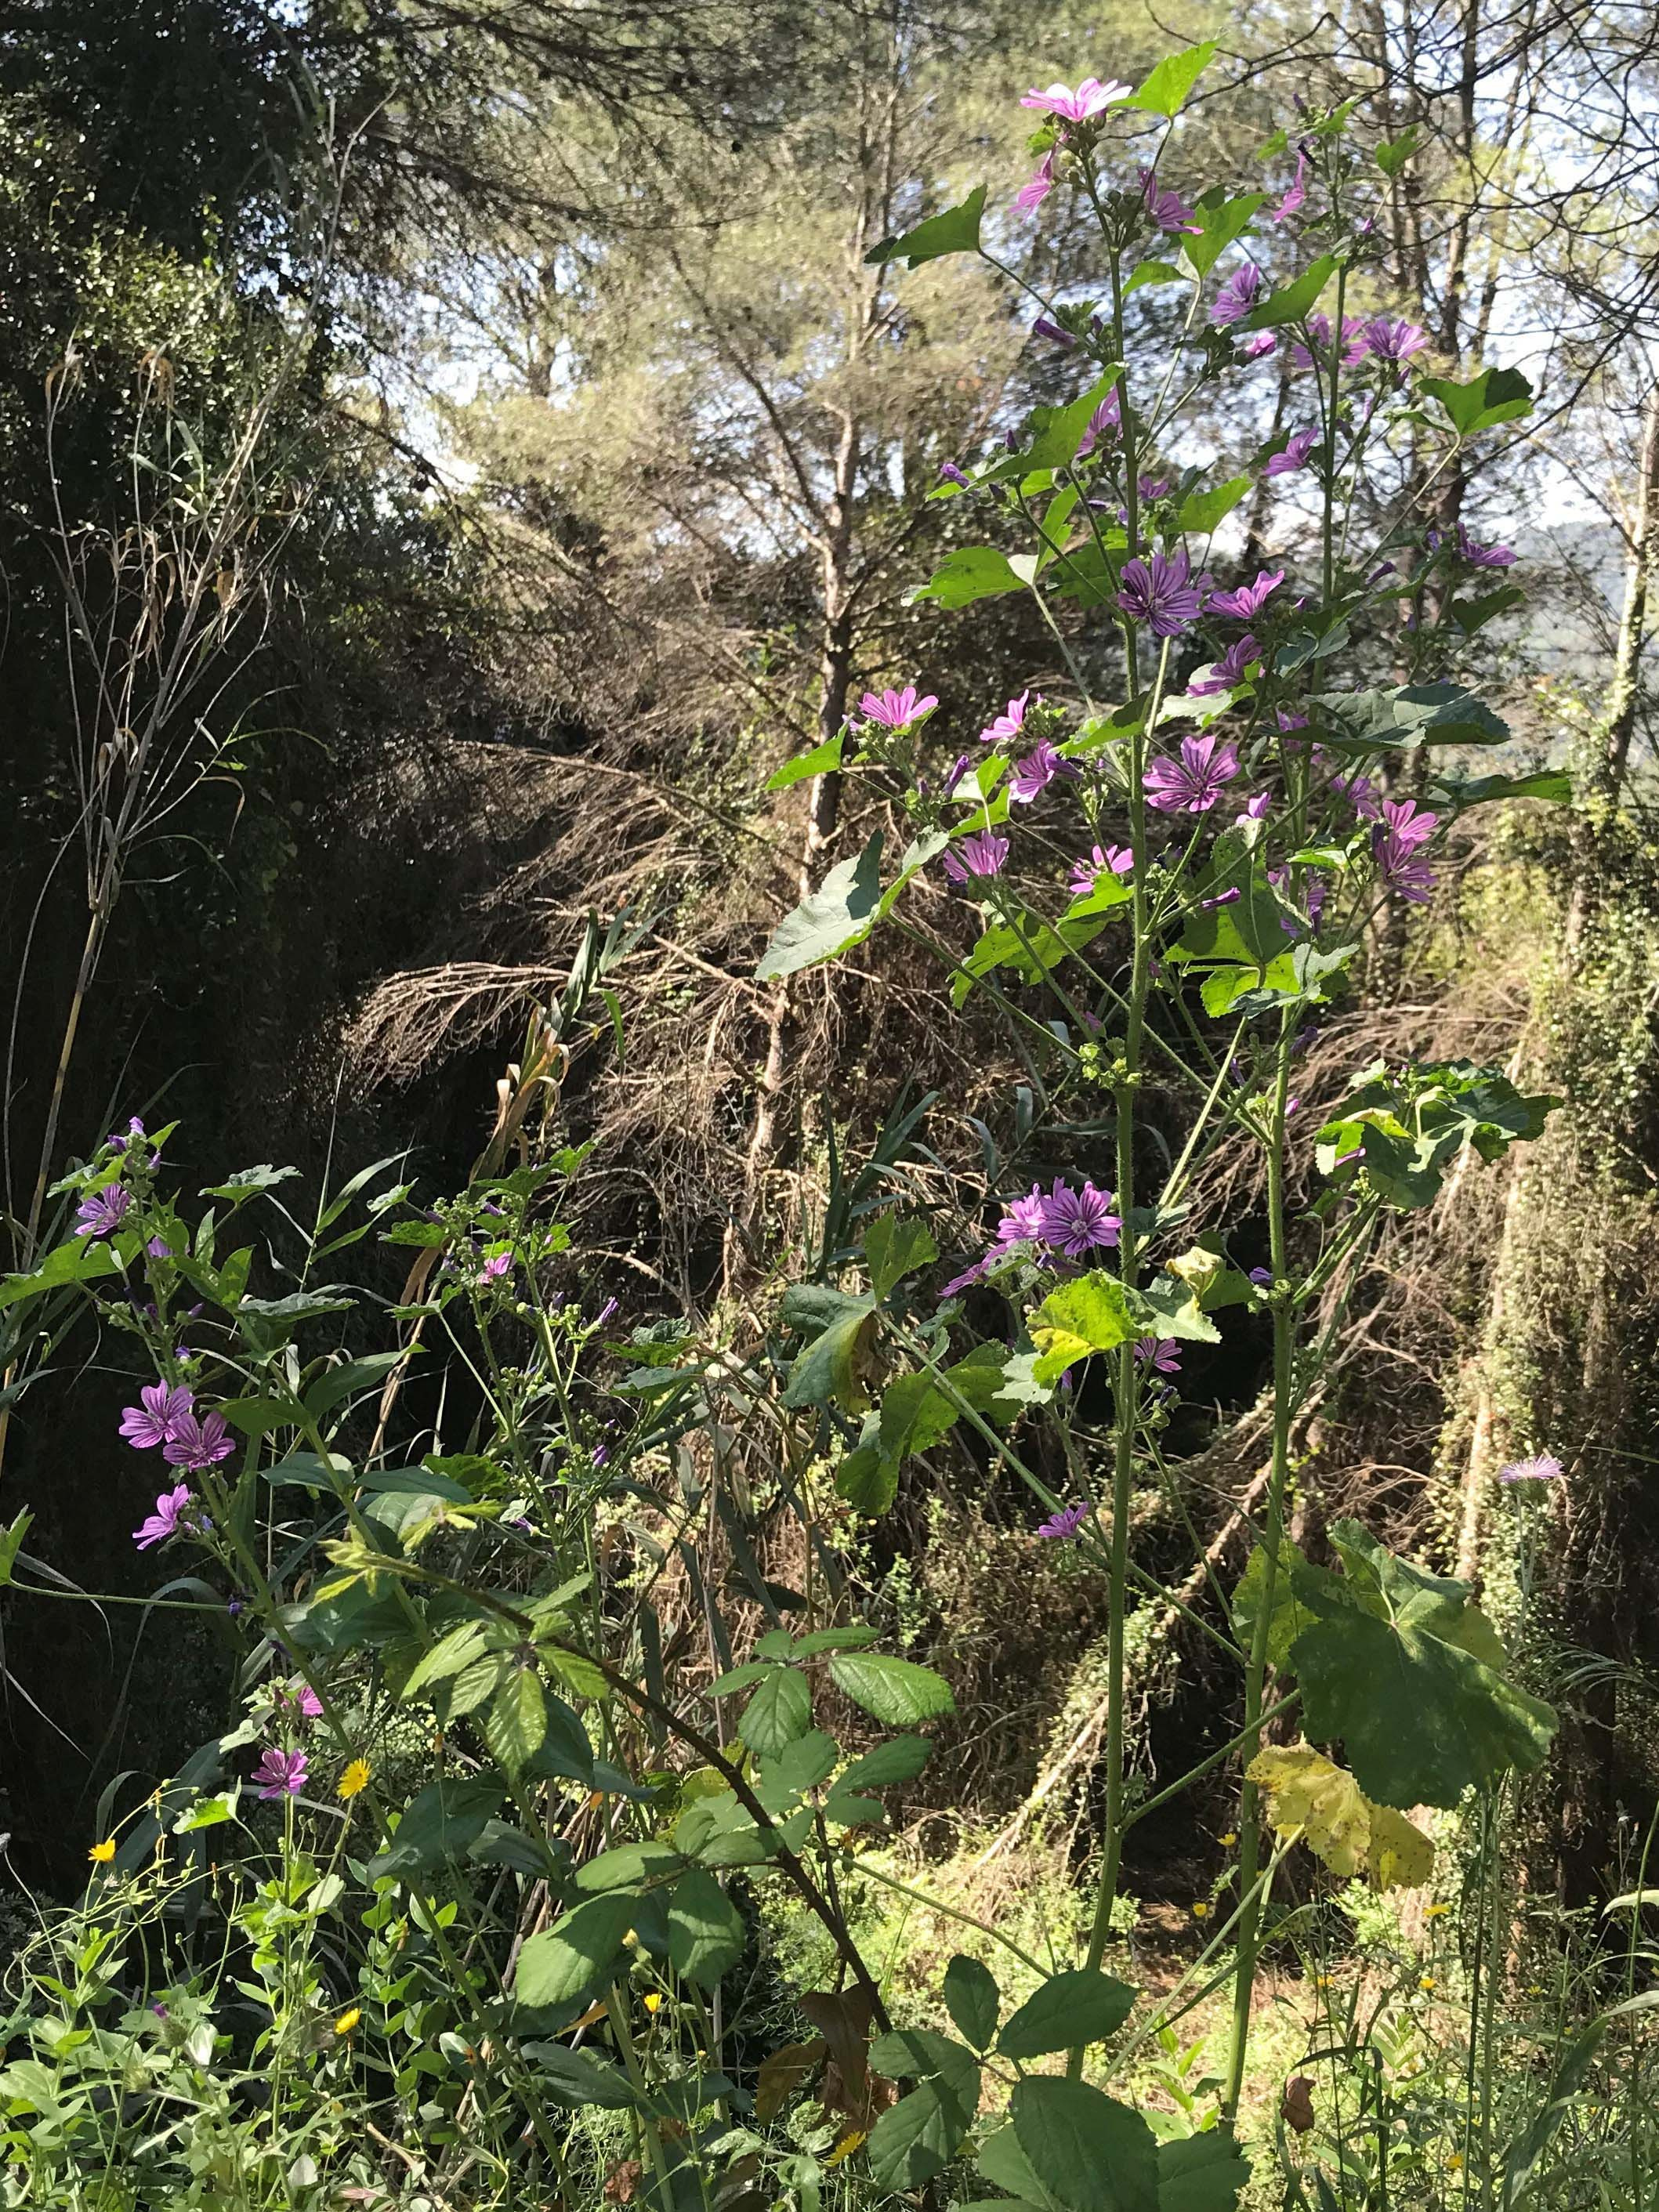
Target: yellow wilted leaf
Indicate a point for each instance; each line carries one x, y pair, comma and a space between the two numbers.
1311, 1796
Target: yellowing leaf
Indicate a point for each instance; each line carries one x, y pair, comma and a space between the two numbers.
1311, 1796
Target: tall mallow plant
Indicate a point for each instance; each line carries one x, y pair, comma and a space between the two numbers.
1168, 886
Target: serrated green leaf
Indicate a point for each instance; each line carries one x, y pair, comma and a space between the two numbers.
1223, 220
896, 1692
1205, 2172
1393, 155
895, 1246
440, 1822
1289, 1617
1065, 2011
579, 1953
517, 1720
917, 2138
1089, 2152
973, 2000
780, 1712
706, 1934
1165, 91
628, 1866
1092, 1313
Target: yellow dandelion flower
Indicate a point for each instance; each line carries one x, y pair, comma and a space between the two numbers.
1200, 1911
354, 1780
653, 2001
844, 2149
348, 2019
1228, 1839
102, 1854
1434, 1911
1426, 1981
1455, 2160
1321, 1981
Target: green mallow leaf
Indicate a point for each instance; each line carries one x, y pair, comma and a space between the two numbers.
1085, 2006
1295, 301
954, 231
1201, 511
838, 915
970, 573
1392, 157
1402, 1667
1090, 2153
440, 1822
706, 1934
1415, 715
1053, 435
973, 2000
1470, 615
1152, 272
868, 1479
579, 1953
1288, 1616
1166, 89
1406, 1131
1553, 784
916, 1413
780, 1711
1223, 220
896, 1692
1092, 1313
1034, 949
1205, 2172
1496, 395
823, 760
829, 1367
895, 1246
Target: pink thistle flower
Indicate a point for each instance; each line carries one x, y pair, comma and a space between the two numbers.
168, 1518
280, 1773
1089, 100
896, 710
1008, 724
1248, 601
154, 1420
1543, 1467
1104, 860
1195, 783
1075, 1221
198, 1441
982, 854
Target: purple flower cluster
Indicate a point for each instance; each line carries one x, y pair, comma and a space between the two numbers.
1062, 1219
1241, 292
165, 1419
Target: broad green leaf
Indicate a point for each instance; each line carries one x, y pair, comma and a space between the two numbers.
896, 1692
80, 1262
1034, 949
1174, 1311
780, 1711
1386, 1667
829, 1367
337, 1383
1223, 221
1165, 90
1001, 2161
915, 1414
1415, 715
207, 1813
1152, 272
970, 573
1053, 435
918, 2137
579, 1953
1201, 511
1092, 1313
1289, 1618
1088, 2151
895, 1246
517, 1720
850, 1638
571, 2078
628, 1866
1392, 157
836, 917
1311, 1796
901, 1758
973, 2000
1553, 784
868, 1479
706, 1934
247, 1182
440, 1822
799, 1767
1472, 615
954, 231
823, 760
1204, 2172
1295, 303
1496, 395
1067, 2009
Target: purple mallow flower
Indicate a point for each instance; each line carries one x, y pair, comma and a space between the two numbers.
1010, 722
1091, 97
1032, 776
1166, 208
499, 1264
1229, 670
198, 1441
122, 1140
1360, 792
1402, 867
1162, 1354
102, 1214
1262, 1278
1032, 195
1402, 819
896, 710
1248, 601
280, 1773
1046, 327
1105, 423
1255, 810
1259, 344
1543, 1467
154, 1421
1104, 860
1022, 1219
951, 474
1391, 341
1483, 556
1166, 595
1319, 330
1195, 783
982, 854
1064, 1523
168, 1518
1075, 1221
1293, 455
1236, 296
1296, 191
